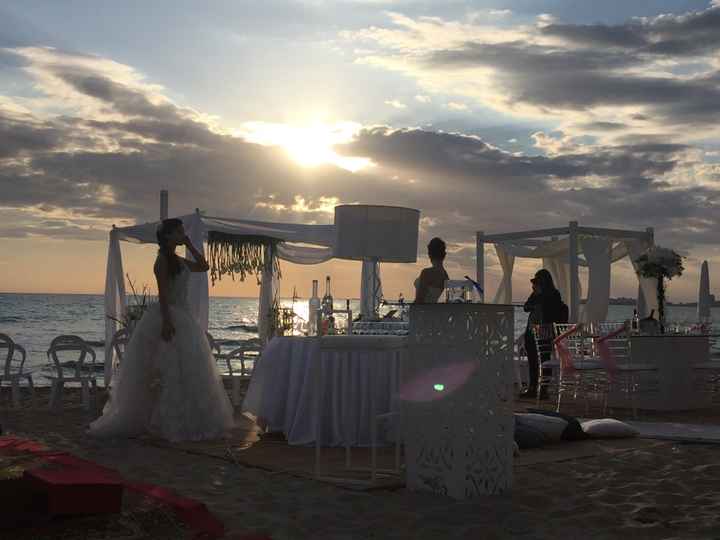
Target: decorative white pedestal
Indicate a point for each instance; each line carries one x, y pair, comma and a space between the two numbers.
456, 399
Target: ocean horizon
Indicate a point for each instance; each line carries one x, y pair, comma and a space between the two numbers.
34, 319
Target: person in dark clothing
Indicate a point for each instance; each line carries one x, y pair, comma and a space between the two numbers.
545, 307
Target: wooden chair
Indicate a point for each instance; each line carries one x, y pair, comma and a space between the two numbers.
14, 369
86, 378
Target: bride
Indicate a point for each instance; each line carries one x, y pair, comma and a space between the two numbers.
168, 383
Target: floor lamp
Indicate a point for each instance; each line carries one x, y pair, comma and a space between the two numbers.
377, 234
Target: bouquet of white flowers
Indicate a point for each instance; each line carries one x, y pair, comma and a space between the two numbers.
658, 262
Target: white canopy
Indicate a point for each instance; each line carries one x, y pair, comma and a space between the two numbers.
590, 247
299, 244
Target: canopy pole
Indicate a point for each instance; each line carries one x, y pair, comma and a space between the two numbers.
480, 262
163, 204
573, 260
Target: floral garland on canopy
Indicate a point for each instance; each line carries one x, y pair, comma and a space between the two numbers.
243, 255
658, 262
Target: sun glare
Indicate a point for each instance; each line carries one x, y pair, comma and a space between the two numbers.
308, 146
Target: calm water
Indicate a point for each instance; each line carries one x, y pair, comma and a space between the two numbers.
33, 320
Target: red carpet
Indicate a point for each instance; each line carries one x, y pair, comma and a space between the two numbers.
68, 472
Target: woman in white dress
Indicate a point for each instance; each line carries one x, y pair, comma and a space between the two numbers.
168, 384
431, 283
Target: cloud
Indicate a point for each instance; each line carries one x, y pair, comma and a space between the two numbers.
455, 106
396, 104
422, 99
73, 174
657, 74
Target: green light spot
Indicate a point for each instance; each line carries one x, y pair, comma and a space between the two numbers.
439, 387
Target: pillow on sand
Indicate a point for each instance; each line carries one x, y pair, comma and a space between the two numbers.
608, 428
551, 427
528, 436
573, 431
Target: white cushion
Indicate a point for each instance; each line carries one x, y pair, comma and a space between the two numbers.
550, 426
608, 428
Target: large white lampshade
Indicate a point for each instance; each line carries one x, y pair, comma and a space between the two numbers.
380, 233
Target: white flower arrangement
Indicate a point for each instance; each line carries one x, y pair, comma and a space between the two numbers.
660, 262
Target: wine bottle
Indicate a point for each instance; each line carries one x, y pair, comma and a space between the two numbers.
327, 301
313, 308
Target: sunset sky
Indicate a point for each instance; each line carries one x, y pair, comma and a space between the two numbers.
485, 115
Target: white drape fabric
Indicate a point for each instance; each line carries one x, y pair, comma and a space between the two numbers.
507, 261
318, 235
367, 288
597, 255
198, 293
560, 271
268, 294
115, 300
648, 286
297, 254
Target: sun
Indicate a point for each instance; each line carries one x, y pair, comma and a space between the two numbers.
308, 146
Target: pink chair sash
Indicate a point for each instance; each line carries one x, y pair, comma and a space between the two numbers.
606, 356
566, 362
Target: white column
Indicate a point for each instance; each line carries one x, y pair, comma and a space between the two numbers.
480, 261
164, 204
573, 260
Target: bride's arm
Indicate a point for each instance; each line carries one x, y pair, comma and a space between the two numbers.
161, 274
199, 264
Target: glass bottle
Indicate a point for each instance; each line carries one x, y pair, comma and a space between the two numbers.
635, 325
313, 308
327, 301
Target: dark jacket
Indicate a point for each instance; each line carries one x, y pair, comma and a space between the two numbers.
545, 308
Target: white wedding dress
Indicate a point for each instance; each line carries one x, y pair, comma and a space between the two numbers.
170, 389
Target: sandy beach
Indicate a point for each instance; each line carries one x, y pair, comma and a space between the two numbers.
640, 488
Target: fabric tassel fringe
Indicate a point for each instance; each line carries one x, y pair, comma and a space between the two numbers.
242, 255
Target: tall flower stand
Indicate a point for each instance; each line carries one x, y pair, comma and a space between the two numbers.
456, 399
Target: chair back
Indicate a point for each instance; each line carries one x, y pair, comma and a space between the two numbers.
618, 345
13, 363
76, 344
577, 343
543, 335
119, 343
214, 346
242, 354
66, 338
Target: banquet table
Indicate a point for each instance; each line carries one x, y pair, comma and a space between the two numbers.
675, 356
357, 378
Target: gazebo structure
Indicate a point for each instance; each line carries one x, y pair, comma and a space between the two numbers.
562, 251
247, 247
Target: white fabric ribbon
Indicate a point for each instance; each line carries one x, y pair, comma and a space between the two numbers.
115, 301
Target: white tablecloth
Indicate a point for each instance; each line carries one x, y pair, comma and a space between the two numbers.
357, 372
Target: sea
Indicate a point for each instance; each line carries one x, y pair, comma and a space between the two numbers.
33, 320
